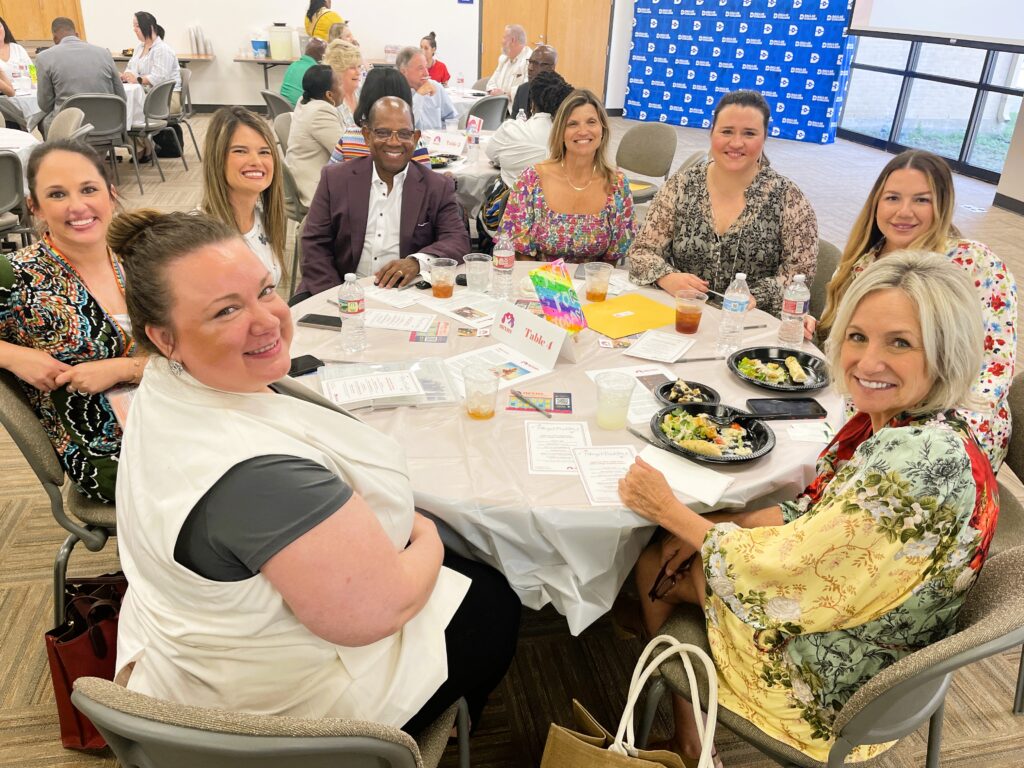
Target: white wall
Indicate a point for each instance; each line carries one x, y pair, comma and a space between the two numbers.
618, 55
229, 26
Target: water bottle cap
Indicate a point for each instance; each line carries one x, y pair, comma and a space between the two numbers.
798, 278
351, 277
741, 275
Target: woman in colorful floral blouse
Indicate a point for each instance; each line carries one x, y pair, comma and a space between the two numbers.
807, 600
574, 205
731, 214
911, 206
64, 329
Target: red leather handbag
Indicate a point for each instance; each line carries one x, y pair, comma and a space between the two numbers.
85, 645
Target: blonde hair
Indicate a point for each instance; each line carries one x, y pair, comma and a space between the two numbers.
556, 143
341, 55
336, 31
216, 199
952, 326
866, 234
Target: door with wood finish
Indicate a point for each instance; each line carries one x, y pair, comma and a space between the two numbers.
498, 14
578, 29
30, 19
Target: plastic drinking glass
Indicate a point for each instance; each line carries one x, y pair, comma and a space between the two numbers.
481, 384
613, 393
597, 274
478, 272
689, 308
442, 277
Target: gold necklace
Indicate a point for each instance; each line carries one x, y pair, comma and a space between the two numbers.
568, 181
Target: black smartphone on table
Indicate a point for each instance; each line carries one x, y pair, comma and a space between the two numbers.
328, 322
304, 364
786, 408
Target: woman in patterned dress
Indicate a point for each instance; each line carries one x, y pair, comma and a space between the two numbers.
807, 600
64, 329
574, 205
731, 214
911, 206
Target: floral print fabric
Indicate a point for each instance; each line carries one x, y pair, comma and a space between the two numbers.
537, 232
997, 290
45, 306
774, 238
874, 562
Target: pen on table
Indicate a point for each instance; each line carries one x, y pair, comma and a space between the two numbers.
752, 327
702, 359
530, 403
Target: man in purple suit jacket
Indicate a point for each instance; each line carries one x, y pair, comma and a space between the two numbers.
381, 215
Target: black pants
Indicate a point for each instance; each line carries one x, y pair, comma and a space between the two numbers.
481, 641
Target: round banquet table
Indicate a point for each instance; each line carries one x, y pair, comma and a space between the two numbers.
540, 530
463, 100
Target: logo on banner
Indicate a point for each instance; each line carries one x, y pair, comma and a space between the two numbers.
719, 26
743, 27
819, 31
759, 80
783, 82
675, 23
805, 110
793, 29
800, 135
815, 58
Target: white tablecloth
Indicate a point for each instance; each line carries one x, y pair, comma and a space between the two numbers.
25, 102
20, 142
540, 530
135, 97
462, 100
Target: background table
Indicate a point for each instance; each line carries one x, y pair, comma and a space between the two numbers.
463, 100
473, 177
540, 530
21, 143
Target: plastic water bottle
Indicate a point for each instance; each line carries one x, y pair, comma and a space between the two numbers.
460, 81
503, 265
521, 115
734, 312
795, 302
352, 307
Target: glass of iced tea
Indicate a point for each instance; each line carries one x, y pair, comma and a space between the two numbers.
442, 277
689, 308
481, 383
597, 273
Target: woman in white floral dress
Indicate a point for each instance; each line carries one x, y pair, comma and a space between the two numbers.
911, 206
806, 601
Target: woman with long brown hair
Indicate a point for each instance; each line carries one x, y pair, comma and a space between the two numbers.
241, 185
911, 206
575, 205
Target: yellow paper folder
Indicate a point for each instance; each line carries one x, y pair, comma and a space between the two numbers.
627, 315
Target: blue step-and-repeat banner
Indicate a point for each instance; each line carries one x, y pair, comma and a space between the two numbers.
687, 53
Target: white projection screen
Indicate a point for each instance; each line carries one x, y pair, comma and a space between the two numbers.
997, 24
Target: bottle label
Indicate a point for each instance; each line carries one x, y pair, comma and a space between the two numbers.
732, 304
795, 306
351, 306
505, 259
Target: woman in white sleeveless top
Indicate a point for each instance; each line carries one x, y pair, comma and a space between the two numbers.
275, 560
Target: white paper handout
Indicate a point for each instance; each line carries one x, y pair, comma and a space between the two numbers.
512, 367
661, 346
601, 468
687, 478
398, 321
371, 386
390, 296
468, 307
643, 404
550, 446
810, 432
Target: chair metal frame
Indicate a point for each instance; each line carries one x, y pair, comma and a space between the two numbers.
156, 111
30, 437
186, 110
107, 134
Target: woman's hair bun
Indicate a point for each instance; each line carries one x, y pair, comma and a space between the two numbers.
128, 226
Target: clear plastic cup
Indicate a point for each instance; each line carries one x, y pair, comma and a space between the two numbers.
597, 275
442, 277
481, 383
614, 391
478, 272
689, 308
